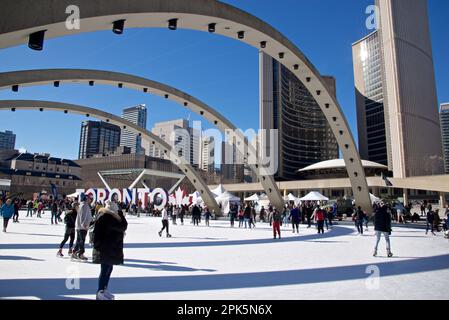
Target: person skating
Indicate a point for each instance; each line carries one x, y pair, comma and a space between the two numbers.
318, 216
109, 232
207, 216
232, 214
82, 224
29, 208
295, 217
165, 223
430, 219
382, 226
359, 219
276, 220
182, 212
196, 214
262, 214
15, 217
54, 212
247, 215
69, 220
7, 211
252, 220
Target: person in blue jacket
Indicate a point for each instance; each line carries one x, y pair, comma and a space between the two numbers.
7, 211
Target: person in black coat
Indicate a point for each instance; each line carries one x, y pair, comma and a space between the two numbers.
382, 226
430, 219
69, 219
109, 231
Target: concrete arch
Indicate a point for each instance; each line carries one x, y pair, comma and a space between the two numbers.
50, 76
26, 17
183, 165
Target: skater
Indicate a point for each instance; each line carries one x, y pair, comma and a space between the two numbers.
276, 217
54, 212
69, 220
29, 208
295, 217
40, 209
182, 214
252, 221
359, 219
196, 214
207, 216
164, 222
382, 226
109, 231
241, 217
318, 216
309, 212
430, 219
175, 211
6, 211
233, 214
82, 224
262, 214
247, 216
15, 217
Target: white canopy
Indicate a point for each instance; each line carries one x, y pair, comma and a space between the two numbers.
374, 199
73, 195
226, 196
218, 190
254, 197
263, 196
314, 196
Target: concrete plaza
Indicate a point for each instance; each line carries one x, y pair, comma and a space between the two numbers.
218, 262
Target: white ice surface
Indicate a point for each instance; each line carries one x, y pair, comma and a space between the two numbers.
223, 263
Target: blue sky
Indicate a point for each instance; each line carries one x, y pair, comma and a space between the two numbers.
220, 71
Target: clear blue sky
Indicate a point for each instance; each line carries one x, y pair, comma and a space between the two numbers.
220, 71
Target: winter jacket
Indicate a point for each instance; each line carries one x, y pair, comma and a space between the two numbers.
319, 215
109, 232
7, 211
277, 217
430, 216
382, 220
294, 215
247, 213
84, 217
70, 219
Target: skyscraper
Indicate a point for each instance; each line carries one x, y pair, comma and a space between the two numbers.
181, 137
207, 154
138, 116
402, 83
98, 138
232, 163
371, 109
7, 140
444, 120
304, 136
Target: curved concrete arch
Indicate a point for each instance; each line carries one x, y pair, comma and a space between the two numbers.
183, 165
49, 76
27, 17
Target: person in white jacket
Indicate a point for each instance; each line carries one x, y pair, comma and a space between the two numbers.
83, 221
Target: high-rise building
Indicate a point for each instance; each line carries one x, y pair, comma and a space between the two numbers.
444, 120
181, 137
304, 135
371, 109
232, 163
207, 154
7, 140
98, 138
409, 102
138, 116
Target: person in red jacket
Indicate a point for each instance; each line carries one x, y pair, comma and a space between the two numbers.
319, 217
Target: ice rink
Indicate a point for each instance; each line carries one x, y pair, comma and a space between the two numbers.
218, 262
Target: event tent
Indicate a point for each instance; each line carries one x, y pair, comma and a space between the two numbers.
314, 196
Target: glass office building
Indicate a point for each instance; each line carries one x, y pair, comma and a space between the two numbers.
138, 116
7, 140
444, 121
98, 138
304, 136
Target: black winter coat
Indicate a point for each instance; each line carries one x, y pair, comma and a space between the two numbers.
108, 238
382, 220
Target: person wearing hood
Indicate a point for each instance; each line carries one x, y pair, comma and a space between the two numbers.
69, 219
109, 231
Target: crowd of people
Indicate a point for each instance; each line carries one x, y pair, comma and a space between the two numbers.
106, 224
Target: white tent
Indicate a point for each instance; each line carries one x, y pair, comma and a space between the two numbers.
226, 196
374, 199
196, 198
314, 196
218, 190
254, 197
73, 195
263, 197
